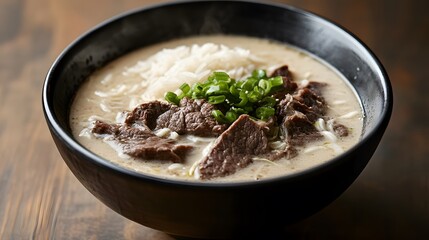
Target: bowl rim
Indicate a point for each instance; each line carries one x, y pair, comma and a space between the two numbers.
56, 128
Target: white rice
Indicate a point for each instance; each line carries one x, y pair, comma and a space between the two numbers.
168, 69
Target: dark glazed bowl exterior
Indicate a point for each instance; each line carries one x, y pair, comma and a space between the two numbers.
207, 210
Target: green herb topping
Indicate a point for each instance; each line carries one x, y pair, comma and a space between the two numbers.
253, 95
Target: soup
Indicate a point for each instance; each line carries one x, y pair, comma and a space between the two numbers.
316, 114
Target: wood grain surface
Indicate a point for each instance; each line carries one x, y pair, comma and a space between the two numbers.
41, 199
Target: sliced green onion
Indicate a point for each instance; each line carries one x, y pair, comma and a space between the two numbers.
244, 100
231, 116
264, 112
234, 91
197, 95
185, 88
220, 88
197, 87
252, 95
172, 98
249, 84
268, 102
221, 76
216, 99
255, 95
260, 90
265, 85
211, 89
276, 81
259, 74
218, 115
239, 84
196, 91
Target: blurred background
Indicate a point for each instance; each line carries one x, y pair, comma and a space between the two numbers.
41, 199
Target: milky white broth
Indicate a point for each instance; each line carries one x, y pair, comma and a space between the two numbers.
91, 103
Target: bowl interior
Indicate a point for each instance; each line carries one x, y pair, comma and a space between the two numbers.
143, 27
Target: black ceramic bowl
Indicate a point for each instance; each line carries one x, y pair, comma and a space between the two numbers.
198, 209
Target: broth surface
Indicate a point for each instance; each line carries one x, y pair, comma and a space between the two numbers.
118, 87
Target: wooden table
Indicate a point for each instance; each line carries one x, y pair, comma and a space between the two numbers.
41, 199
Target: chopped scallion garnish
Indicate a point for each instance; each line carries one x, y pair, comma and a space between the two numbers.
172, 98
253, 95
216, 99
264, 112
